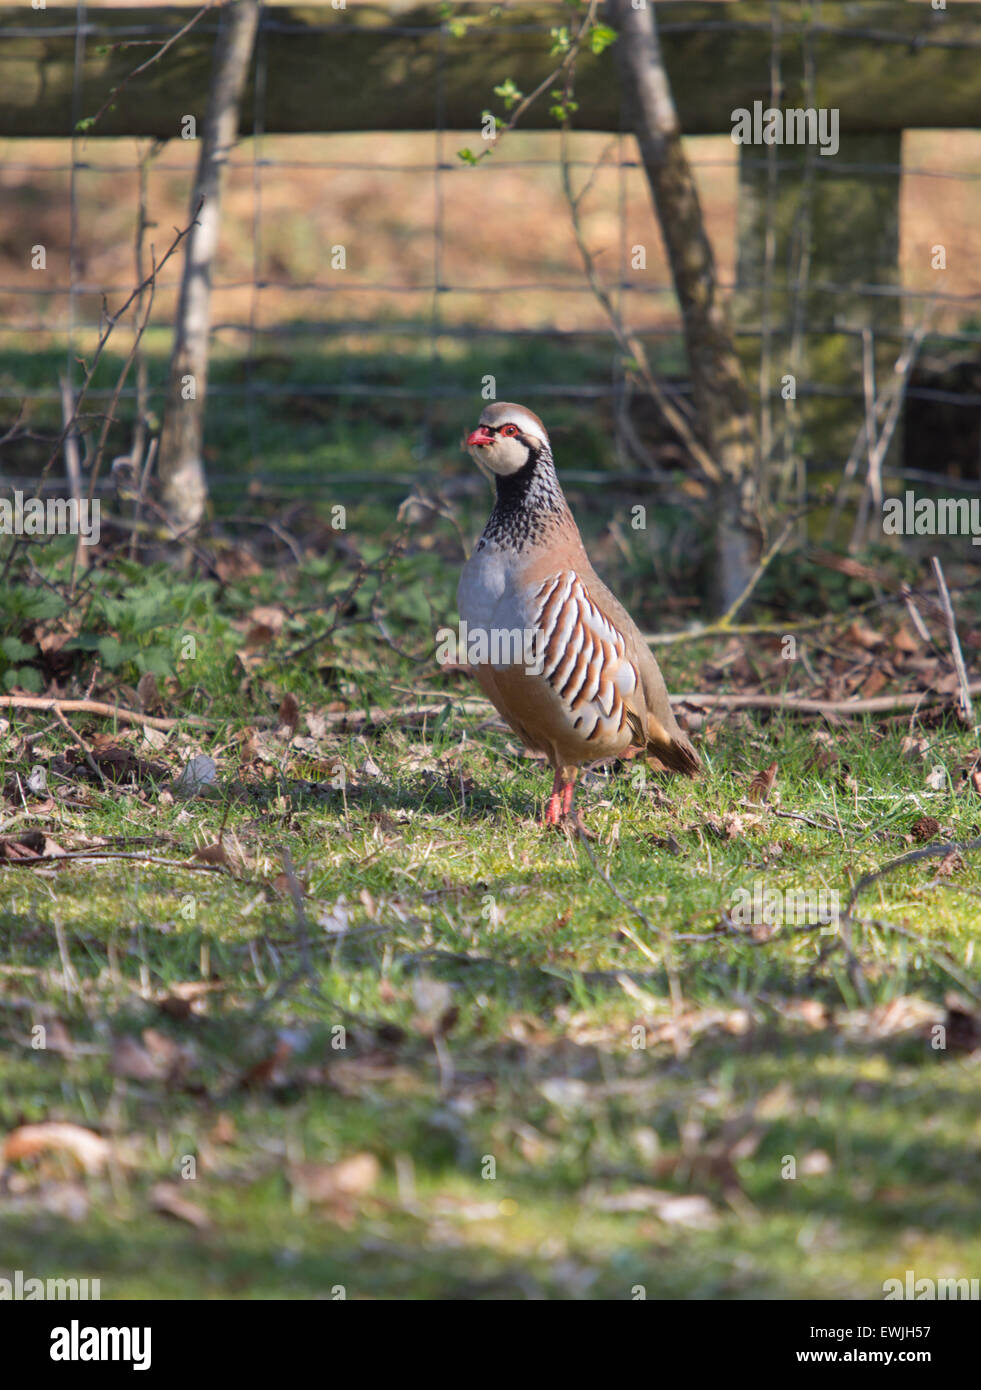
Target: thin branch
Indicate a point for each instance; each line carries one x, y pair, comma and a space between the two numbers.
888, 404
81, 744
798, 705
967, 709
95, 857
88, 122
110, 321
725, 622
568, 61
914, 855
125, 716
630, 345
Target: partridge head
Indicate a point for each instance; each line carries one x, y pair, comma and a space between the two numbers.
565, 665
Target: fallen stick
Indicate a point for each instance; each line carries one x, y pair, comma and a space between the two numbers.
94, 857
125, 716
913, 857
877, 704
77, 738
411, 714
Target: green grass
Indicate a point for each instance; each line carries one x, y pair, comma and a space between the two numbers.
511, 1054
540, 1070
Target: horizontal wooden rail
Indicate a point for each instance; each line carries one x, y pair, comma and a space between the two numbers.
397, 66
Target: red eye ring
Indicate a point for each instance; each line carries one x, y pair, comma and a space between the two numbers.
509, 429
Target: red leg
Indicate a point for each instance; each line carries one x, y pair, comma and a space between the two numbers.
569, 812
553, 806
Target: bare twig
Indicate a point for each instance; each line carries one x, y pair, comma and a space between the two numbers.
342, 601
915, 616
125, 716
888, 404
141, 495
795, 704
81, 744
100, 857
90, 121
73, 467
788, 815
927, 852
629, 344
110, 322
765, 561
967, 709
560, 71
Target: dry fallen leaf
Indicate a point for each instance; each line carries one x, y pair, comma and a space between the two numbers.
906, 1014
266, 625
128, 1059
860, 635
289, 715
158, 1059
223, 1130
164, 1050
148, 693
213, 854
693, 1211
269, 1070
914, 746
950, 864
875, 681
729, 828
762, 784
89, 1149
904, 641
29, 844
812, 1012
330, 1183
187, 997
169, 1200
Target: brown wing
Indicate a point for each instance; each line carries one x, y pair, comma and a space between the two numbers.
584, 660
655, 726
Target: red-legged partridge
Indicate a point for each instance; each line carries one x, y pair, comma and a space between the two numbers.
586, 686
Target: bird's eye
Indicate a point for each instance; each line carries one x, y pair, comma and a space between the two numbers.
510, 429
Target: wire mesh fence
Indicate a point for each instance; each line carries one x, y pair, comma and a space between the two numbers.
378, 271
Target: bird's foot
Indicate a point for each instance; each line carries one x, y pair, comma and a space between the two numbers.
575, 823
560, 812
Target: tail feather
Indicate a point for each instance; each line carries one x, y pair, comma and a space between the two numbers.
673, 749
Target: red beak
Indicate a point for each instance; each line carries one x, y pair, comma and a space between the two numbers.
481, 435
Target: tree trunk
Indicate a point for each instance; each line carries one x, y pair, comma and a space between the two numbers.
724, 412
181, 470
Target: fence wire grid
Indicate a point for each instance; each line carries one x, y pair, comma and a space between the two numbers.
431, 280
